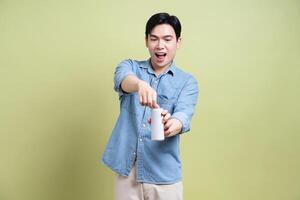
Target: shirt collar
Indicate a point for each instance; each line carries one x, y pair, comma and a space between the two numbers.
171, 70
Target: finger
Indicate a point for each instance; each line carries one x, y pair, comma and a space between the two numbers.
167, 125
154, 97
167, 132
166, 117
144, 99
174, 128
149, 120
141, 99
149, 100
156, 105
170, 131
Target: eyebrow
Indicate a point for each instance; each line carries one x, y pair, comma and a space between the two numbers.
165, 36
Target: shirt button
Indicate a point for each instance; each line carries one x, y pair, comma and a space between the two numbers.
141, 139
144, 125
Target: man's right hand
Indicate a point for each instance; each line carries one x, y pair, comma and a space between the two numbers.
147, 94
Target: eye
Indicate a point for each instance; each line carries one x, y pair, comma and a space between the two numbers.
153, 39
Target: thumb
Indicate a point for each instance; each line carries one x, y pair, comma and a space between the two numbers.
156, 105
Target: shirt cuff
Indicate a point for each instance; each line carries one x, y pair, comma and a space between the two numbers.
183, 118
118, 80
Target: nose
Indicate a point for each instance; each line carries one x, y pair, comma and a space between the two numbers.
160, 44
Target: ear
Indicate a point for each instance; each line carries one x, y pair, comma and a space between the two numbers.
178, 42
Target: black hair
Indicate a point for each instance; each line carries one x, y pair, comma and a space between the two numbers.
163, 18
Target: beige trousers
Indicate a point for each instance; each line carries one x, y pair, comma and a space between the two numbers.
127, 188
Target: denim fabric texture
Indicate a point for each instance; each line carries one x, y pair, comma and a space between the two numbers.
157, 162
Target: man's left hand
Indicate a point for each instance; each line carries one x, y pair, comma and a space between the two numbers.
172, 126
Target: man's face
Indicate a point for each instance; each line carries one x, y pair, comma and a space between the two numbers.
162, 45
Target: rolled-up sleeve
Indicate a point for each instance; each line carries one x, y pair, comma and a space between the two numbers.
185, 106
123, 69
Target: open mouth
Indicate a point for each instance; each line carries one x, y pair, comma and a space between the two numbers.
160, 56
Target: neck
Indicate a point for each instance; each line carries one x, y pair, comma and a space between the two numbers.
159, 70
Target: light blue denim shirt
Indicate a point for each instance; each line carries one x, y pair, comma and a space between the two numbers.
157, 162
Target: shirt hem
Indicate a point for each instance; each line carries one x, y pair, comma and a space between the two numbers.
142, 180
114, 169
160, 182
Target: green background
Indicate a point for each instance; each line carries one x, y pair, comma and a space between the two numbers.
57, 60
